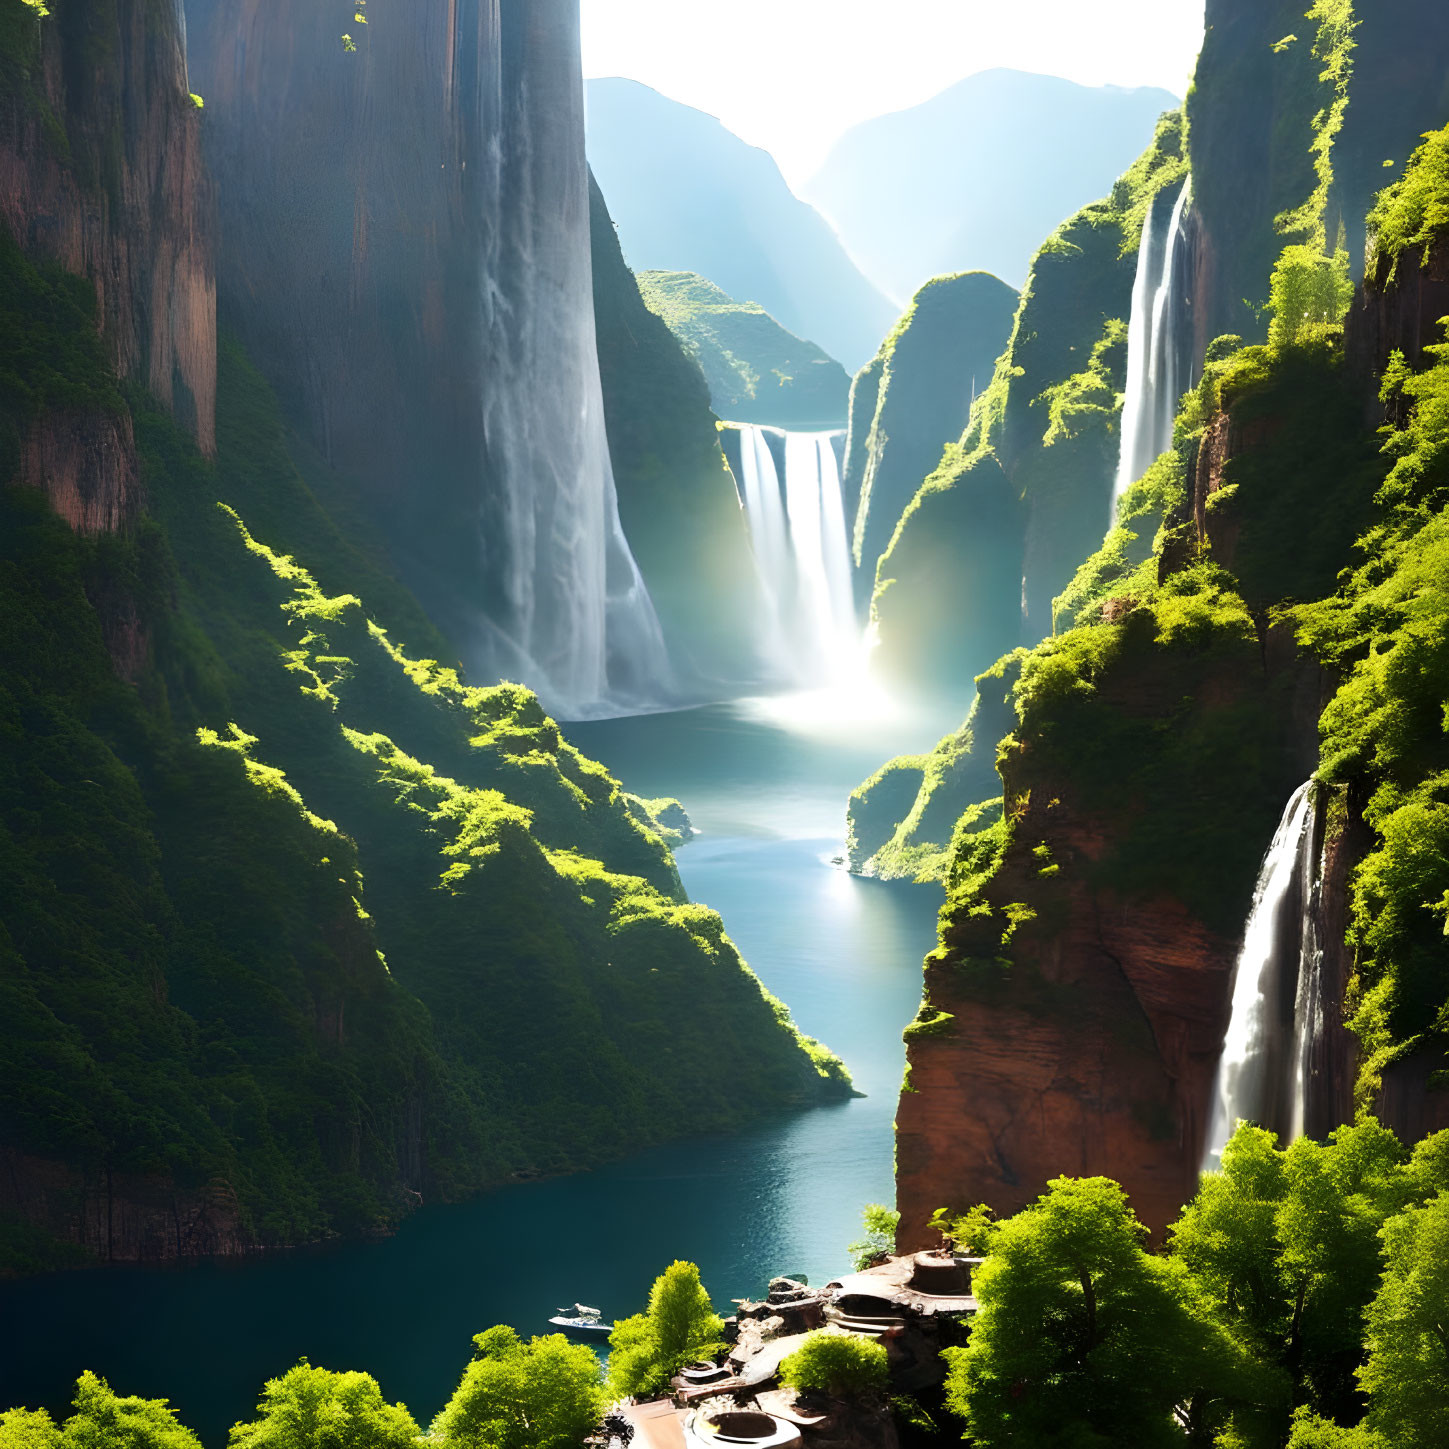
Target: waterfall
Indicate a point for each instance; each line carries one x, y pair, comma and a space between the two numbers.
802, 553
1155, 371
1264, 1074
564, 608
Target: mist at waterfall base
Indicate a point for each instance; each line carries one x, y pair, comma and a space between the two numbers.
811, 640
782, 1196
1157, 369
1265, 1074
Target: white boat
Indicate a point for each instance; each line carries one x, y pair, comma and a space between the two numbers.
581, 1319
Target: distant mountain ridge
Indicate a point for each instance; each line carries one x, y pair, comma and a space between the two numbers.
975, 177
757, 371
690, 196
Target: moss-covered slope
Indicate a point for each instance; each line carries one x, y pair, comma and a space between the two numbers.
677, 501
757, 371
1297, 557
914, 397
994, 534
297, 929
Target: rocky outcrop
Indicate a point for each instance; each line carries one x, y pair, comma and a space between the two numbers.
994, 535
1400, 310
1252, 107
356, 213
915, 397
1072, 1018
113, 1217
85, 463
101, 171
677, 500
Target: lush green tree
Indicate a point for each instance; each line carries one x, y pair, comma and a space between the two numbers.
1310, 1431
1309, 292
1228, 1235
315, 1408
837, 1363
880, 1223
546, 1393
1338, 1196
679, 1325
1084, 1339
1285, 1245
104, 1420
1407, 1373
28, 1429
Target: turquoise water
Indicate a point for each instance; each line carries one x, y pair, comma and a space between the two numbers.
784, 1196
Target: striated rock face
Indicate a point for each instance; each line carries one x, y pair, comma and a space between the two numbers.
1400, 309
121, 1217
915, 397
86, 464
1084, 1039
1251, 112
100, 170
351, 252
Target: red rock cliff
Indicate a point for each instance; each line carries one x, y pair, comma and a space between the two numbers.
100, 170
1086, 1042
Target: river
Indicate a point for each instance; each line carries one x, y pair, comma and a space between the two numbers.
784, 1196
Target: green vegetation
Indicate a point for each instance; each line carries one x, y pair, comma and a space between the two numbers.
313, 1408
902, 822
1415, 212
207, 1002
1167, 710
1292, 1275
1386, 632
546, 1393
1308, 295
841, 1364
914, 397
997, 531
880, 1223
757, 371
677, 501
102, 1420
1085, 1338
679, 1326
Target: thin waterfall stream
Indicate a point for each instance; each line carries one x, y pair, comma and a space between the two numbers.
1264, 1074
1155, 364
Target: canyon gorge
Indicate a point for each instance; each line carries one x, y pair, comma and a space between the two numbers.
450, 634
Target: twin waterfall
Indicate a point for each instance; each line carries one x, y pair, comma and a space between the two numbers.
565, 609
802, 553
1265, 1074
1156, 370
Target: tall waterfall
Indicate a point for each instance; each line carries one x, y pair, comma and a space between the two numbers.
802, 553
1264, 1074
1156, 375
565, 609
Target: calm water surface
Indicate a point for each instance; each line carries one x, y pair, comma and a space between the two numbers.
782, 1197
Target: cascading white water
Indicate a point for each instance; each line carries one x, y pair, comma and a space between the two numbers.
802, 554
565, 609
1155, 372
1264, 1073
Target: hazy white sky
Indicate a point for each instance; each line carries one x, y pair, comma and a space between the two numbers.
791, 75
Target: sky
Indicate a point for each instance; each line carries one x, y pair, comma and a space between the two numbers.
793, 75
